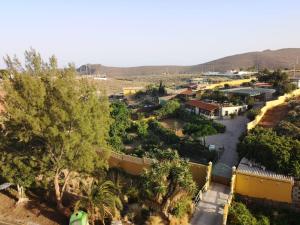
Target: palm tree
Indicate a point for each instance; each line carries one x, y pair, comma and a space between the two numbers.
101, 201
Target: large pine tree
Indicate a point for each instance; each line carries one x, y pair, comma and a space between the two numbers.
53, 124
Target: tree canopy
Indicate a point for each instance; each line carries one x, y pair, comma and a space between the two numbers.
278, 153
121, 122
53, 123
168, 183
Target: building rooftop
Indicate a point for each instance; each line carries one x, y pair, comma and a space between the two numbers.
249, 91
187, 92
250, 167
203, 105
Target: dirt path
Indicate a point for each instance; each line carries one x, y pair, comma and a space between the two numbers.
274, 116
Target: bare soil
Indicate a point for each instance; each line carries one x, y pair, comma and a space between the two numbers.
173, 124
32, 212
274, 116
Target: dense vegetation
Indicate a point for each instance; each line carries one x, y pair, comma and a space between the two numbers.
253, 214
56, 136
278, 153
279, 80
120, 115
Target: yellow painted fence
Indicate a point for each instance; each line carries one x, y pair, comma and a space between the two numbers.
264, 187
135, 166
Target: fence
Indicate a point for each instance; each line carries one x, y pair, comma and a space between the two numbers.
229, 200
135, 166
270, 187
271, 104
206, 184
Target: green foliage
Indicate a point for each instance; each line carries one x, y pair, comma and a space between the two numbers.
166, 135
52, 121
215, 95
169, 109
240, 215
278, 153
142, 128
200, 130
100, 200
161, 89
279, 79
200, 120
182, 208
167, 184
243, 211
252, 113
121, 122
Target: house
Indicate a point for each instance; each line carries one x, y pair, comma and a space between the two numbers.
131, 90
203, 108
227, 110
187, 95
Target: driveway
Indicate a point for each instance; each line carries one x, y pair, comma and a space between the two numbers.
229, 140
234, 128
209, 210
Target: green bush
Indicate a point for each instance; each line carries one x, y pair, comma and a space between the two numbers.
251, 114
169, 109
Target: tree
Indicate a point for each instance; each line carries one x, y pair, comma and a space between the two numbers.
100, 200
199, 130
56, 122
240, 215
14, 169
161, 89
169, 109
167, 183
121, 122
279, 79
278, 153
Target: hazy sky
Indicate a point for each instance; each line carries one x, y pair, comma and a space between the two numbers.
146, 32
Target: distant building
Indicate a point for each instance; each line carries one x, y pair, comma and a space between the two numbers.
263, 85
203, 108
259, 93
296, 81
131, 90
187, 94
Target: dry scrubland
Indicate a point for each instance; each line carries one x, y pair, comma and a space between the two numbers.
114, 84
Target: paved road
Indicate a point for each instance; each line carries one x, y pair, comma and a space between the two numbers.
210, 209
234, 128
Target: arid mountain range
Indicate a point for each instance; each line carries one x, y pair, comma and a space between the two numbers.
271, 59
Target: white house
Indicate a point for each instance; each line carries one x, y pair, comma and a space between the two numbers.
227, 110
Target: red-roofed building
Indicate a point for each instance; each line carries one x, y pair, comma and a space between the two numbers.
187, 94
203, 108
263, 85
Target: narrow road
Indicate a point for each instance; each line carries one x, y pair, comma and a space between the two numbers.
209, 210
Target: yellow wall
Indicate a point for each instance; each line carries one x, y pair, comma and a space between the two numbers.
135, 166
131, 91
263, 187
230, 82
270, 105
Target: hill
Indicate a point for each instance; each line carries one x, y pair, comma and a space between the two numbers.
271, 59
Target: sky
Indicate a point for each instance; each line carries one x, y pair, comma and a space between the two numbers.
146, 32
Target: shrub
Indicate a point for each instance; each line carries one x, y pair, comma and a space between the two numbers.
251, 114
169, 109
